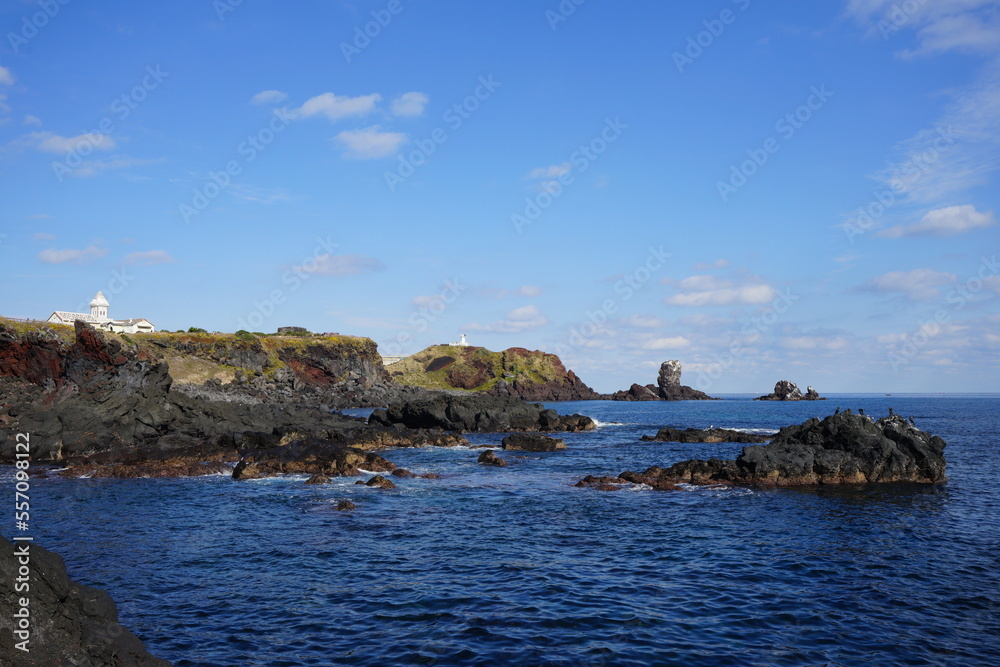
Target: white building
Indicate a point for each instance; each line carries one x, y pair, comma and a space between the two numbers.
462, 342
98, 318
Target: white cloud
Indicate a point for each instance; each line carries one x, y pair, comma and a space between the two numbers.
814, 343
717, 264
552, 171
53, 143
268, 97
149, 257
93, 167
341, 265
918, 284
31, 120
673, 343
370, 142
409, 104
6, 76
43, 236
529, 291
84, 256
970, 26
946, 221
517, 321
709, 291
336, 107
644, 321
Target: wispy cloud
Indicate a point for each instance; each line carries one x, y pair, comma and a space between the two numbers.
946, 221
268, 97
6, 76
50, 142
148, 258
43, 236
918, 284
70, 255
335, 107
341, 265
31, 120
705, 290
370, 143
518, 320
409, 104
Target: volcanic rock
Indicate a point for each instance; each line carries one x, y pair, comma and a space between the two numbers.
669, 434
477, 413
380, 482
668, 387
70, 624
785, 390
842, 449
532, 442
489, 458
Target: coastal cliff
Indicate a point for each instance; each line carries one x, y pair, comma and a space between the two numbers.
515, 372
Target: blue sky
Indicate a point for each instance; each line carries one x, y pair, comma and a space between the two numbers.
806, 191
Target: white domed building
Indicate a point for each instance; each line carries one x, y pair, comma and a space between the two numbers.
98, 318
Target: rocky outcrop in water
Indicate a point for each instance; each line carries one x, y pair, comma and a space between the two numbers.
789, 391
532, 442
490, 458
842, 449
69, 624
477, 413
669, 434
310, 456
668, 387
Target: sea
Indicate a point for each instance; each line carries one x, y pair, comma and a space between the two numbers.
517, 566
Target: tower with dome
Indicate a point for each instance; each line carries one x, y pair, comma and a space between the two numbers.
98, 318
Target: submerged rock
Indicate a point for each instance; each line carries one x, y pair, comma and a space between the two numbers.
532, 442
70, 624
490, 458
311, 456
842, 449
669, 434
346, 506
319, 478
380, 482
477, 413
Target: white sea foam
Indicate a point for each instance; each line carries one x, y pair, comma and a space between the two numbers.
601, 424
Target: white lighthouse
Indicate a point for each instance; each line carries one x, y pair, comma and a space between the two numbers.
99, 308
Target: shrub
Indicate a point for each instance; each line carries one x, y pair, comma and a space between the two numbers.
196, 330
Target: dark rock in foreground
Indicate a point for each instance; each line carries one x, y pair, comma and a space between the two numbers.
489, 458
532, 442
477, 413
841, 449
669, 434
70, 624
785, 390
379, 482
668, 387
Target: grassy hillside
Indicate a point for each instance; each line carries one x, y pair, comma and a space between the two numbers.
476, 368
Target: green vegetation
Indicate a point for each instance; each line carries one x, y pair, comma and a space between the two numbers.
474, 368
243, 334
196, 330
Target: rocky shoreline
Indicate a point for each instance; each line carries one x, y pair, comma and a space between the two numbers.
841, 449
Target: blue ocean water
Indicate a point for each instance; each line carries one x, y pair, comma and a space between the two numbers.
515, 566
